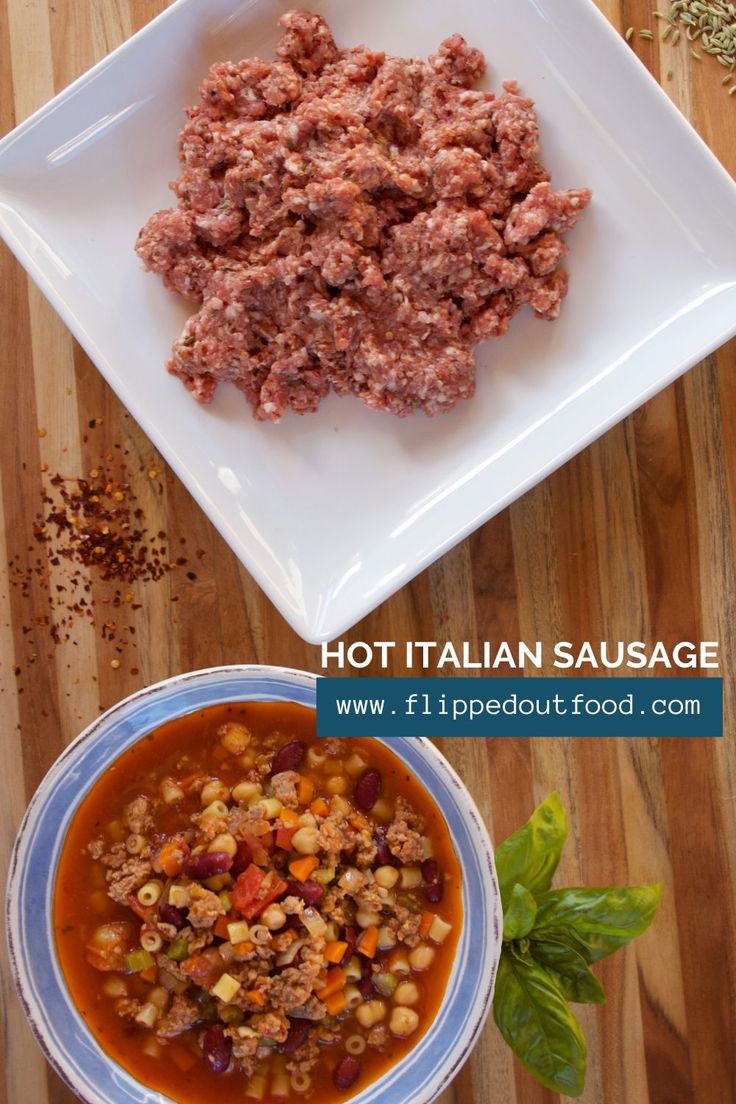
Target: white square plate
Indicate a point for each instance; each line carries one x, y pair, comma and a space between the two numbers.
333, 512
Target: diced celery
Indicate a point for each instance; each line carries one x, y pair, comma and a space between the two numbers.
137, 961
178, 950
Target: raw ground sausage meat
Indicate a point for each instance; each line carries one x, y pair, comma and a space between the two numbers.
355, 222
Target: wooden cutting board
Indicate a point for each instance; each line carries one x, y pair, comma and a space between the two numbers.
633, 539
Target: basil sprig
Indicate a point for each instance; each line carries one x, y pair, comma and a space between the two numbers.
550, 938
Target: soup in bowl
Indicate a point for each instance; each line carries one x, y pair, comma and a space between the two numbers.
238, 908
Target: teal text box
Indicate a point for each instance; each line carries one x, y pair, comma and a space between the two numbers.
520, 707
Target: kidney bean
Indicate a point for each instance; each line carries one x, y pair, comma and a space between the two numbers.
288, 757
243, 857
383, 851
346, 1072
169, 914
293, 921
216, 1049
298, 1031
310, 892
207, 864
368, 790
433, 893
351, 939
434, 885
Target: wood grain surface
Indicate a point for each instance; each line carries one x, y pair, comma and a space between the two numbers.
633, 539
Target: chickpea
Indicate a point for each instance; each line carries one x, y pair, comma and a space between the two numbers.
305, 841
387, 876
216, 809
403, 1022
383, 810
234, 737
338, 784
406, 992
371, 1013
366, 918
274, 917
214, 790
421, 957
270, 806
224, 842
244, 791
116, 987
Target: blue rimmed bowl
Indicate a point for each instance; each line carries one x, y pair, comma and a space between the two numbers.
68, 1044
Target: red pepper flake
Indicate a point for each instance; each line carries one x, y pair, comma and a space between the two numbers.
90, 527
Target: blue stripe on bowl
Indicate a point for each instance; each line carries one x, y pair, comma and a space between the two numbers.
68, 1044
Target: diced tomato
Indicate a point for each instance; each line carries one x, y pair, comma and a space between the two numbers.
204, 969
243, 857
283, 838
255, 889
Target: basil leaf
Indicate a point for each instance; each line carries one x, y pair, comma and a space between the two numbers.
596, 922
569, 969
531, 855
519, 917
537, 1023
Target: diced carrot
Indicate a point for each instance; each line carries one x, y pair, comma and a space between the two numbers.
368, 942
425, 924
181, 1057
302, 868
243, 948
289, 818
305, 790
172, 856
283, 838
335, 951
150, 974
319, 807
359, 822
336, 980
204, 968
336, 1003
257, 996
221, 923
